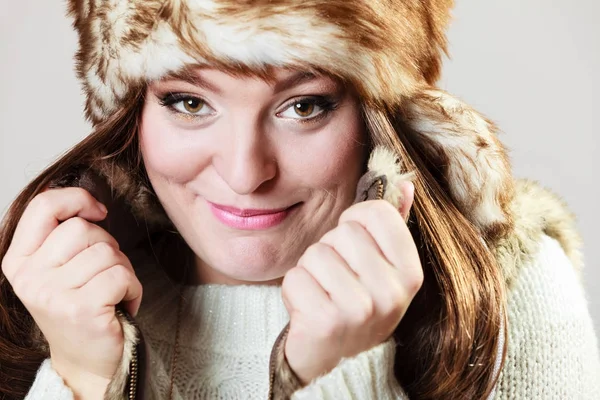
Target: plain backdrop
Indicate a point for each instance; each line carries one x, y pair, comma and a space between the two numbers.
529, 65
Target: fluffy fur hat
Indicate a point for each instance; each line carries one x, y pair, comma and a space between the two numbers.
389, 49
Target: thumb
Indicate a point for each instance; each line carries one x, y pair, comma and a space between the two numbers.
407, 189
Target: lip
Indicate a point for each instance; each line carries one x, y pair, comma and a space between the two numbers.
250, 219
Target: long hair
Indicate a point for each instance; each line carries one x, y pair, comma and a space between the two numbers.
22, 346
448, 338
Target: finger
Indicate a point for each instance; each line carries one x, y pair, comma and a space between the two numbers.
408, 195
46, 211
113, 286
390, 289
385, 225
302, 293
69, 239
338, 280
355, 245
87, 264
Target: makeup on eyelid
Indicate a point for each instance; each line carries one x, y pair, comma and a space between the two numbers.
324, 103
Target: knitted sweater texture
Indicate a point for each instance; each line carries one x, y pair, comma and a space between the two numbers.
227, 333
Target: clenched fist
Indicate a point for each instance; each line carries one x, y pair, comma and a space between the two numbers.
350, 290
69, 273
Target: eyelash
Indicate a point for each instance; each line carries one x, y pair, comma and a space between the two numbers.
327, 104
170, 99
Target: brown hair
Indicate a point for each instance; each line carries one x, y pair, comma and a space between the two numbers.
447, 341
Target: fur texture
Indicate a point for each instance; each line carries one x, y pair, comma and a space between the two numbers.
118, 384
390, 50
536, 211
387, 48
467, 151
285, 381
383, 162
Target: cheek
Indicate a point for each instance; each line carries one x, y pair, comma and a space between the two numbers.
168, 152
336, 156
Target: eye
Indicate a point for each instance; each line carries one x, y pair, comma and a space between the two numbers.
192, 105
186, 104
308, 108
304, 109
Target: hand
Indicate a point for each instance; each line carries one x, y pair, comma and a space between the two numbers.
70, 276
350, 290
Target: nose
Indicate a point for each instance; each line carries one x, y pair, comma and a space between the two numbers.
247, 161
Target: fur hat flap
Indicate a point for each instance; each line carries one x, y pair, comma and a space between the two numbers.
463, 145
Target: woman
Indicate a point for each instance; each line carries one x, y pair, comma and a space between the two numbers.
226, 230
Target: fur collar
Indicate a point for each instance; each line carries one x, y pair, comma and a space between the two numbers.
537, 211
534, 211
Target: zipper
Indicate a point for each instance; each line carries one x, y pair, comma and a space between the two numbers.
133, 363
380, 191
380, 188
133, 374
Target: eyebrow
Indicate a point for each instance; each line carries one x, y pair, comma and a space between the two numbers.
295, 79
194, 79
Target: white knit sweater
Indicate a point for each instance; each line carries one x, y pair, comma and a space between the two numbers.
228, 332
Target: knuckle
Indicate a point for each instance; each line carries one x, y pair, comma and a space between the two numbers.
395, 300
366, 311
290, 279
330, 328
22, 285
42, 204
75, 313
343, 231
121, 274
44, 297
331, 323
106, 324
8, 266
105, 250
139, 286
315, 251
77, 226
351, 212
329, 236
414, 281
381, 209
396, 304
83, 194
347, 228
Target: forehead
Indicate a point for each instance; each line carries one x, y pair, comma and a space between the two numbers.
270, 74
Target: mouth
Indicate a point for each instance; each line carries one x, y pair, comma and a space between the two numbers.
251, 219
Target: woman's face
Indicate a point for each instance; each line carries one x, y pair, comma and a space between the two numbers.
252, 172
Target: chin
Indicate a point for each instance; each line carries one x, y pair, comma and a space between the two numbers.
249, 260
253, 272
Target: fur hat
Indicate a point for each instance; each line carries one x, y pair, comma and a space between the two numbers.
390, 50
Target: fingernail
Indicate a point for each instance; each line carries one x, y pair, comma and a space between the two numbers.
102, 208
411, 187
406, 188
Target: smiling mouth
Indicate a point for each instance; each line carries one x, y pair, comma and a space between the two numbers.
251, 219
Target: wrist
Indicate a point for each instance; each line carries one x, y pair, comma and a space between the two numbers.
83, 384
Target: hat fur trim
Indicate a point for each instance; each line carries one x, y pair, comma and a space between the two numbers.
385, 48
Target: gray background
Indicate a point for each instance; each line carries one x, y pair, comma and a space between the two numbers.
528, 65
